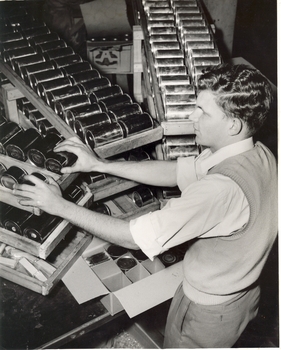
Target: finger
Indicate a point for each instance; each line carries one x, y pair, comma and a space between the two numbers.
51, 181
35, 180
71, 141
70, 169
27, 202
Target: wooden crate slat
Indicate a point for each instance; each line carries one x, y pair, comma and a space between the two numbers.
69, 255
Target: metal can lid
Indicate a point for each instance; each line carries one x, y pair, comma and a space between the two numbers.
115, 251
126, 263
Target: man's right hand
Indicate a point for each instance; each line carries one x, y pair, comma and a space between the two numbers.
87, 160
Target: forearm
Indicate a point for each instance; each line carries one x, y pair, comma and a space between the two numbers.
105, 227
151, 172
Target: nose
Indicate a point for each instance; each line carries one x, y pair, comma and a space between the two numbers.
195, 115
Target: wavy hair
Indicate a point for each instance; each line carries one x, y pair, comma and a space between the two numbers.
240, 91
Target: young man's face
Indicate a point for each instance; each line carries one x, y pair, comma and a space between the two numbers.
211, 125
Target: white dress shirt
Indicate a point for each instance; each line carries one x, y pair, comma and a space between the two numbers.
209, 206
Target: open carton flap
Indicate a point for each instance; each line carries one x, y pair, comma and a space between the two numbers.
82, 282
150, 291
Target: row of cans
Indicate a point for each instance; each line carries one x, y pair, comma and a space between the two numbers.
65, 82
25, 223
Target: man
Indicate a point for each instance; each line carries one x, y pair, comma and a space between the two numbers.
227, 209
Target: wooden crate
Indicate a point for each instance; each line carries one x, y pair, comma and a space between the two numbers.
61, 259
44, 249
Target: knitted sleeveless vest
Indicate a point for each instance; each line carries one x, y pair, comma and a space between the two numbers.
221, 266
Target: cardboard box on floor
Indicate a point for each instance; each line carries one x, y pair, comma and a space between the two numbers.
148, 284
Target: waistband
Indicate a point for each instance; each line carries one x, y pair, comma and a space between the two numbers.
207, 299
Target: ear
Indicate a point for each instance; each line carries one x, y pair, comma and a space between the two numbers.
236, 126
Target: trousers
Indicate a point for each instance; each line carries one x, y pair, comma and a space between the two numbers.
191, 325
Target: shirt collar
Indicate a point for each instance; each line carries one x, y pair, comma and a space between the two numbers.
209, 159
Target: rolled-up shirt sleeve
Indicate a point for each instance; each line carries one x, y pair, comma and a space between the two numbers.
207, 208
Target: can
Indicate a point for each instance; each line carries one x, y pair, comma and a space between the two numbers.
35, 117
15, 219
13, 175
165, 45
180, 99
172, 153
31, 24
162, 30
35, 68
44, 38
33, 32
191, 45
139, 255
50, 45
58, 53
174, 141
126, 263
106, 92
104, 134
82, 77
178, 53
100, 207
18, 146
93, 177
26, 61
37, 154
90, 122
15, 44
115, 251
142, 196
168, 258
174, 70
62, 105
54, 84
135, 124
154, 38
28, 108
38, 228
55, 161
115, 102
4, 208
67, 60
45, 127
98, 258
8, 37
76, 68
74, 192
178, 112
80, 112
120, 112
206, 61
96, 84
160, 16
173, 80
184, 9
46, 75
178, 89
17, 53
7, 131
62, 93
196, 37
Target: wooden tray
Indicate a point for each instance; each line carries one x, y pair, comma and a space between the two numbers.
62, 259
